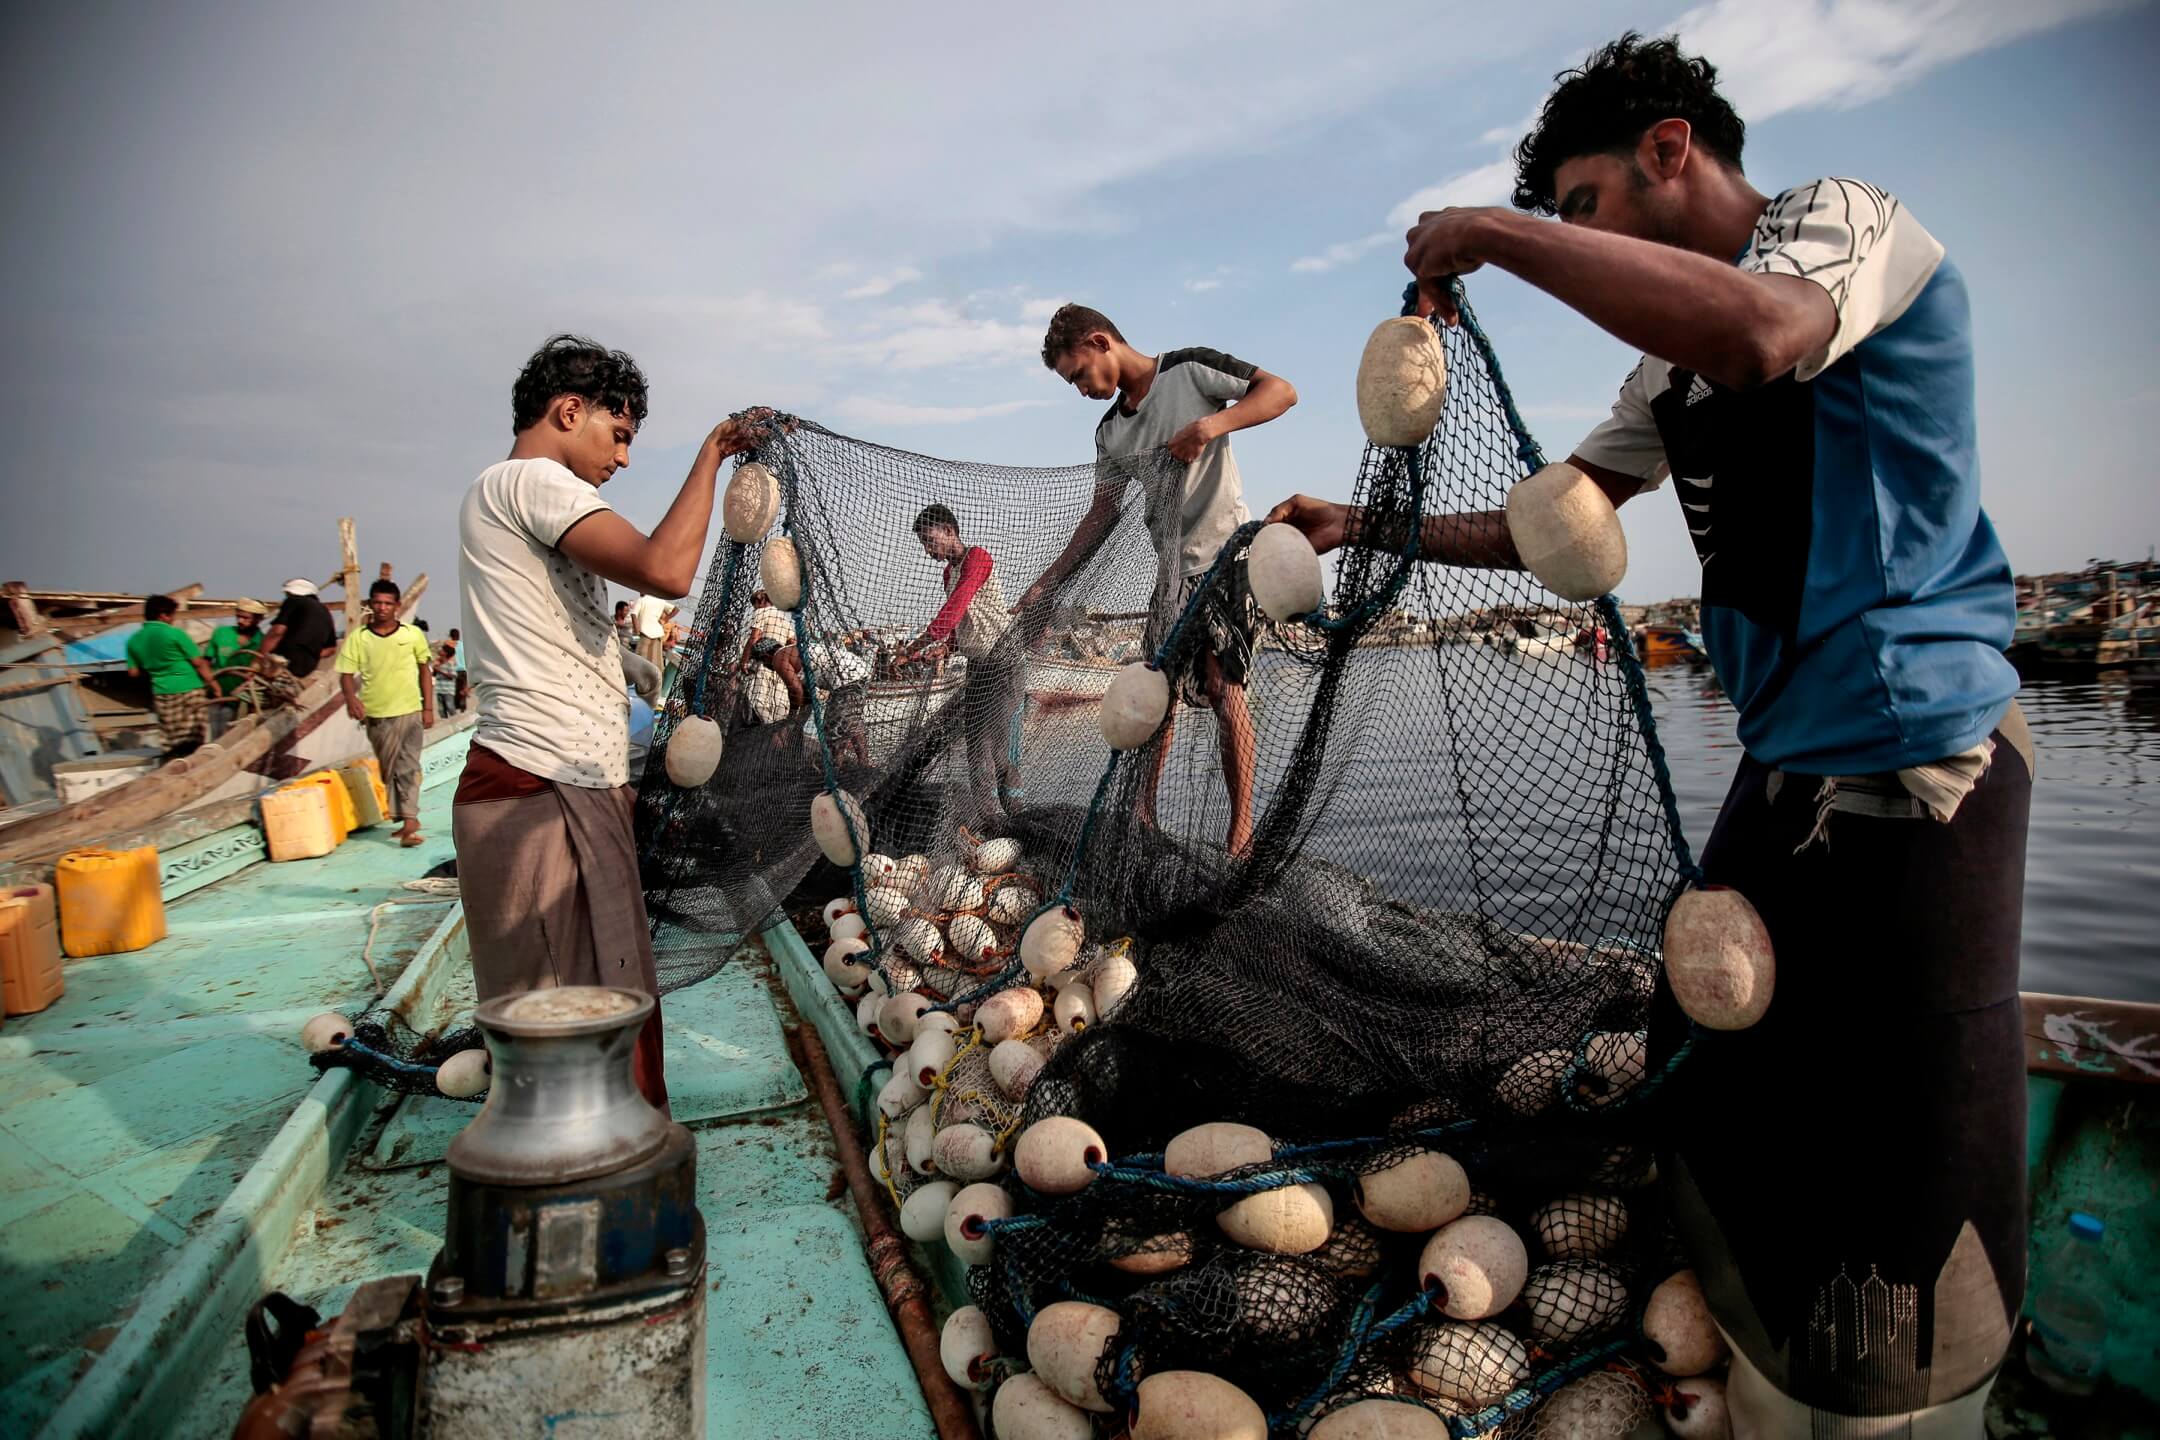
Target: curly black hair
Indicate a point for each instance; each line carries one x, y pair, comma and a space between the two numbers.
573, 365
1603, 107
1069, 326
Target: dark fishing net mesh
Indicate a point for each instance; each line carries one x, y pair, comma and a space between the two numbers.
1441, 936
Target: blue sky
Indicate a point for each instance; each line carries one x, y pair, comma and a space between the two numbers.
270, 267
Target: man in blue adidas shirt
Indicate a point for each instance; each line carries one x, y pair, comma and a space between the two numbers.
1856, 1213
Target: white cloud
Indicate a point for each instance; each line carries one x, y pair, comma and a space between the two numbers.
1808, 54
1341, 254
938, 333
884, 284
1201, 287
1836, 54
1486, 185
1565, 412
873, 411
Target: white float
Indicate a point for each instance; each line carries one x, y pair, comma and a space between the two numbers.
1054, 1153
463, 1075
1718, 958
1579, 1227
1283, 570
966, 1152
1415, 1194
780, 570
1026, 1409
1477, 1264
1052, 941
326, 1031
995, 857
1288, 1220
966, 1348
751, 504
1064, 1342
1014, 1066
1133, 708
1009, 1014
693, 752
1567, 533
965, 1217
1401, 381
1193, 1405
832, 832
1467, 1367
971, 939
922, 1214
1684, 1340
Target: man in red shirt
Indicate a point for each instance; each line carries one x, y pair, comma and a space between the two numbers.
975, 623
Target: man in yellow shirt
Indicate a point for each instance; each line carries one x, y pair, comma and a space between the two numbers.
383, 668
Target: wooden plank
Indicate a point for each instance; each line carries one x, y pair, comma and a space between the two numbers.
2082, 1038
349, 561
22, 607
412, 596
96, 622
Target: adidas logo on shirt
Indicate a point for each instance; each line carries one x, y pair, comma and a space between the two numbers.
1700, 390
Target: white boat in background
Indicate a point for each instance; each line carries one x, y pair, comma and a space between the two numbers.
1055, 680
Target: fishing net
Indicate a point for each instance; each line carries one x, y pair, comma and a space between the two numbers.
1439, 938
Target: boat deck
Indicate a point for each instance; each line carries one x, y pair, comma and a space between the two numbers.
131, 1107
169, 1083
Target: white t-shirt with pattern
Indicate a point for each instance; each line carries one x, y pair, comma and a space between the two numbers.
541, 651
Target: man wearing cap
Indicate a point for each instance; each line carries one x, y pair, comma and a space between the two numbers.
300, 635
234, 647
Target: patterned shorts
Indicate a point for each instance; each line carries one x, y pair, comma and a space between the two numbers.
184, 717
1229, 621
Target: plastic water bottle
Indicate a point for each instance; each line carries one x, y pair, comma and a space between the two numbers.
2069, 1334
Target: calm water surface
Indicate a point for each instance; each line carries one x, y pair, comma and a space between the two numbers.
2092, 868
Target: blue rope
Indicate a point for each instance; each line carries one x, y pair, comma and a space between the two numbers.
386, 1061
862, 1091
1631, 668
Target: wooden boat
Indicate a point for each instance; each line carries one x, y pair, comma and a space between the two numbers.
1657, 643
167, 1156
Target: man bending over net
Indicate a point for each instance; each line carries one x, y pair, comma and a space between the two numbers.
1187, 402
1858, 1217
972, 621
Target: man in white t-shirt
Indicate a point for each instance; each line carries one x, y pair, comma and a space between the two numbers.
547, 859
650, 617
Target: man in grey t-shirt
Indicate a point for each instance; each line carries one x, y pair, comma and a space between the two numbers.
1186, 402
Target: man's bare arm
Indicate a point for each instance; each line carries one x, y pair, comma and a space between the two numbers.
1087, 537
1475, 538
1738, 328
666, 561
1266, 397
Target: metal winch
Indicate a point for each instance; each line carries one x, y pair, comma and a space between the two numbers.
571, 1279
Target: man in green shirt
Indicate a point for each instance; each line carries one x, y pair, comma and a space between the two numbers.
235, 646
383, 668
180, 683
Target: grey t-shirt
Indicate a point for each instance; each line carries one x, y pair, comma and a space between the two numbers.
1189, 384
